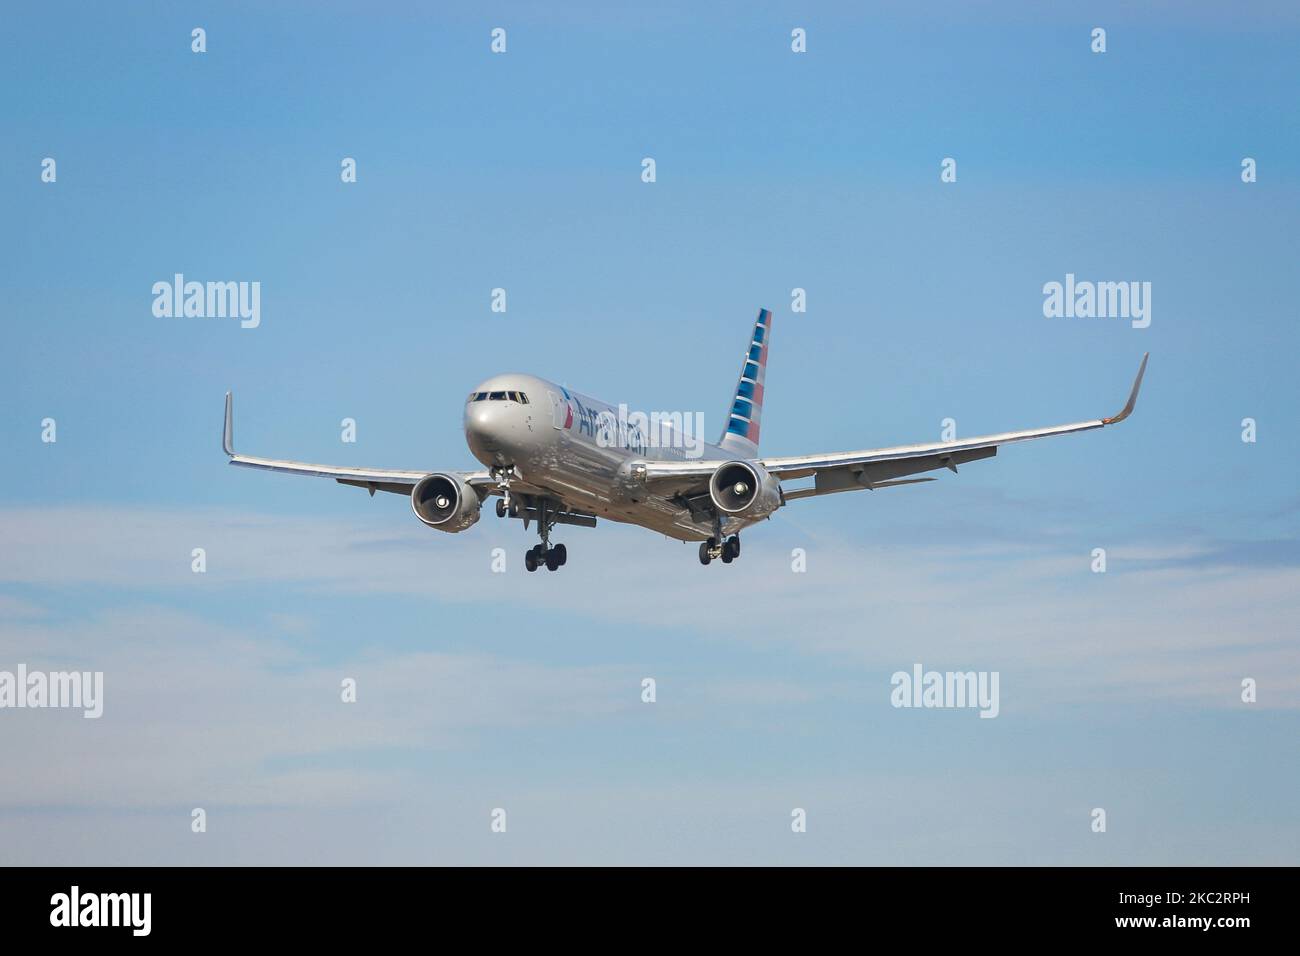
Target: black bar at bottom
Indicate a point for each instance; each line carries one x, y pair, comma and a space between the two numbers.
659, 906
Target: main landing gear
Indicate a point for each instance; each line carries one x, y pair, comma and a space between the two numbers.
508, 505
728, 549
539, 555
544, 554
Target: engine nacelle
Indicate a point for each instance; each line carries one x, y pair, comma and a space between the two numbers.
743, 489
445, 502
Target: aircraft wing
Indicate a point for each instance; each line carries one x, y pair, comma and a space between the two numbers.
880, 467
373, 479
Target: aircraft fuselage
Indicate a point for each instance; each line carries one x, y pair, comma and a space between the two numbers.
577, 449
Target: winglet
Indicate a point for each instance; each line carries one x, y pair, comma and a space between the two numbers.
1132, 396
228, 434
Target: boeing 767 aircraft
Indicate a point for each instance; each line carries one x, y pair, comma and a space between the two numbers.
554, 456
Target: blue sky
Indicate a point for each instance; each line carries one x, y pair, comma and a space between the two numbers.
774, 171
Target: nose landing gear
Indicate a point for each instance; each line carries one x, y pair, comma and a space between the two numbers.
505, 505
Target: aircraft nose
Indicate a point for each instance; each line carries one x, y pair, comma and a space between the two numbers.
482, 416
488, 429
483, 420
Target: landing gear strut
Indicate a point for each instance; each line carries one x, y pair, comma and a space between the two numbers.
543, 554
505, 504
728, 549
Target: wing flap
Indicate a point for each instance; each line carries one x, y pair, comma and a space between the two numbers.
813, 492
882, 473
800, 466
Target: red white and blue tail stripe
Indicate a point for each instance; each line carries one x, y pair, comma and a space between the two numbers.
741, 433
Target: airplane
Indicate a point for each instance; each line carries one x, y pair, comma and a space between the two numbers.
554, 456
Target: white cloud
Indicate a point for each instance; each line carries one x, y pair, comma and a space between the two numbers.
1141, 630
195, 711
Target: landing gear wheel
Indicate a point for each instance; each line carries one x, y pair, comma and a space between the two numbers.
705, 557
530, 559
735, 545
731, 549
553, 556
501, 507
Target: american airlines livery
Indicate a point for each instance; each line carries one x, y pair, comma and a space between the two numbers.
554, 456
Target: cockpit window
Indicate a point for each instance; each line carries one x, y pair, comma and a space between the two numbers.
519, 397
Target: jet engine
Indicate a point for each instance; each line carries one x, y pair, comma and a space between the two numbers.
743, 489
445, 502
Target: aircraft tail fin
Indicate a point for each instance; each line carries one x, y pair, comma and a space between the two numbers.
743, 420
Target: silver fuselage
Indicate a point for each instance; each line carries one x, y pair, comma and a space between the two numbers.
556, 443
